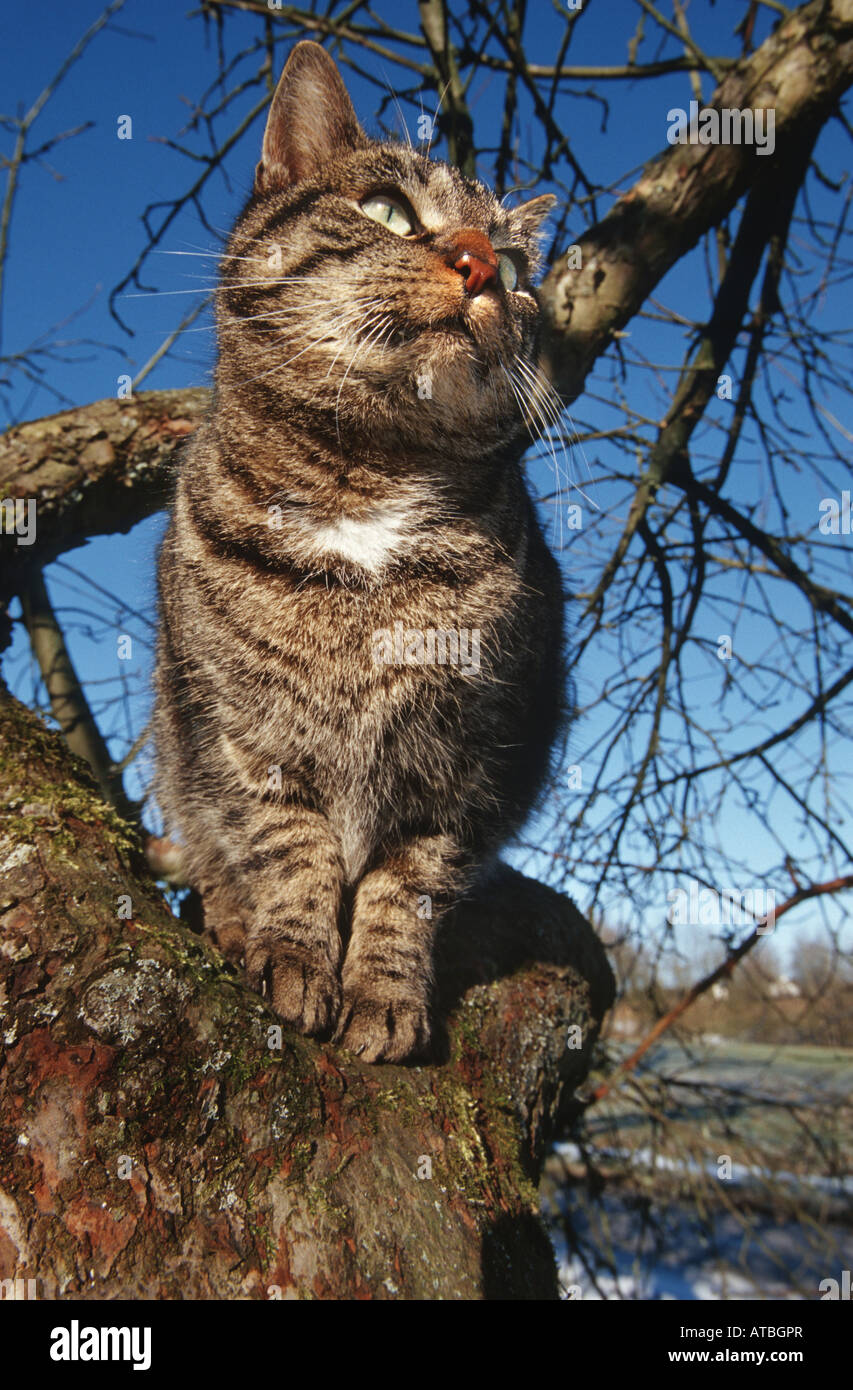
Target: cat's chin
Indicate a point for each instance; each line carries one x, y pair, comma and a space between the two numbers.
482, 343
485, 324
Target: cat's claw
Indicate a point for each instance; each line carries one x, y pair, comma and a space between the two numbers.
379, 1031
306, 995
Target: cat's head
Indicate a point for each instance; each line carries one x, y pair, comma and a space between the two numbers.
378, 290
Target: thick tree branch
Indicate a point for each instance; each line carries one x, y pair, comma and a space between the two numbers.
99, 468
158, 1141
456, 118
800, 71
92, 471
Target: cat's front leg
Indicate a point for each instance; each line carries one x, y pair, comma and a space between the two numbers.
224, 919
293, 876
387, 974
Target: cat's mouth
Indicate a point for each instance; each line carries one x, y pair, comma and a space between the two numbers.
479, 336
447, 329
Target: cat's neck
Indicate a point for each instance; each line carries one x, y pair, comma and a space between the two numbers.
298, 457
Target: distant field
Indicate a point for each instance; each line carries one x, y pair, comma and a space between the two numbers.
665, 1218
779, 1107
829, 1062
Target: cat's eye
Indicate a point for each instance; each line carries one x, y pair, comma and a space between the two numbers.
390, 213
507, 270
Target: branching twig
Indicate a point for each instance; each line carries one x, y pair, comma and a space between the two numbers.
701, 987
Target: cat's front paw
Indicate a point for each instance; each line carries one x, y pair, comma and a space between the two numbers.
383, 1030
303, 989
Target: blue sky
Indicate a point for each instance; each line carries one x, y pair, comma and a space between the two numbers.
76, 231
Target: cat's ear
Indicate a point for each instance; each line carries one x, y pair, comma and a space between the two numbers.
528, 217
311, 119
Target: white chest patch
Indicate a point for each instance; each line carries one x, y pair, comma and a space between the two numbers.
370, 542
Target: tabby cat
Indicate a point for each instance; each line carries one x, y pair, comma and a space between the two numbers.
359, 671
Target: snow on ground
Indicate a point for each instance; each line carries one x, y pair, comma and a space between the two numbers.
664, 1250
741, 1175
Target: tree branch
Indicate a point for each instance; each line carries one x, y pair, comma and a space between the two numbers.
701, 987
172, 1146
800, 71
765, 222
92, 471
67, 701
103, 467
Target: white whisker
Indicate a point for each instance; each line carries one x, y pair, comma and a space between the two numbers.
383, 323
529, 383
553, 407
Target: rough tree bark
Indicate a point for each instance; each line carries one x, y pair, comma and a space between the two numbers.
154, 1145
801, 71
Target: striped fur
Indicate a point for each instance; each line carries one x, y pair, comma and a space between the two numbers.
360, 468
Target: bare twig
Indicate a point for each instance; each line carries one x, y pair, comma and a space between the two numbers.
701, 987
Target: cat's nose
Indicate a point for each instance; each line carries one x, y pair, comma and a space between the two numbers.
472, 254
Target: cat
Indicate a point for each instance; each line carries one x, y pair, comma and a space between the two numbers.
349, 519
